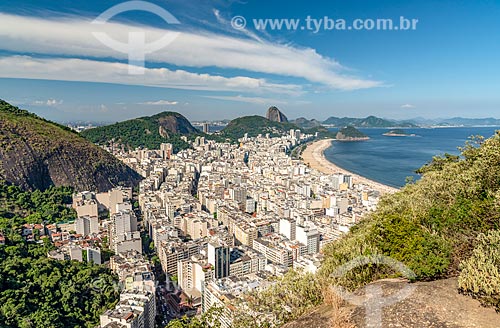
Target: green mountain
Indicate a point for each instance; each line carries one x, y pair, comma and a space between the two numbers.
350, 133
36, 154
148, 132
368, 122
255, 125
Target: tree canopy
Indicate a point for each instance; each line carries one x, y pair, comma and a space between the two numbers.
36, 291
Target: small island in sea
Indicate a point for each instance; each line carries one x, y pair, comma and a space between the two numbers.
350, 133
398, 133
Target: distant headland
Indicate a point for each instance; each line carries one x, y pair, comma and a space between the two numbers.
350, 133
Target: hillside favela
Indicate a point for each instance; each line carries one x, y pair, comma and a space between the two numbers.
249, 164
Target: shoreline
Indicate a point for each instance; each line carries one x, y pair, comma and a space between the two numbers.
314, 156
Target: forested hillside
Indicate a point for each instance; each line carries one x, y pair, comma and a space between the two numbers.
36, 291
147, 132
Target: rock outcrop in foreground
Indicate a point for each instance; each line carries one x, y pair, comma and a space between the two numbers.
432, 304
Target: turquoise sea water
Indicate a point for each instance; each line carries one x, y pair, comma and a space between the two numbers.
390, 160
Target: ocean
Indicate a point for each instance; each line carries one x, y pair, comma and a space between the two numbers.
389, 160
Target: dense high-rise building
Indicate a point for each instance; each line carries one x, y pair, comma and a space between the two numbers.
192, 274
273, 252
87, 225
172, 252
124, 221
166, 150
123, 234
94, 255
250, 205
219, 257
287, 228
310, 237
136, 309
238, 194
128, 241
206, 128
348, 179
245, 261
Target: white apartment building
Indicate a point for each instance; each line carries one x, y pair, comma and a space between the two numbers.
310, 237
87, 225
273, 252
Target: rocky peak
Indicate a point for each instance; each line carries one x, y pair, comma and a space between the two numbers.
274, 114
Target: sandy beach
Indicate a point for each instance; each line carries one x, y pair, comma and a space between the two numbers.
313, 155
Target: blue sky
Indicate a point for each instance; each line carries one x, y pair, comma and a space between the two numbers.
51, 64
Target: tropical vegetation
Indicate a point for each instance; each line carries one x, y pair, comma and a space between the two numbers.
141, 132
18, 207
36, 291
480, 274
350, 133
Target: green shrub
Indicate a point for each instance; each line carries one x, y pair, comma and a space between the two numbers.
480, 276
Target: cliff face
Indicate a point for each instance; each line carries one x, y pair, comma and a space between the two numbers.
36, 154
274, 114
174, 122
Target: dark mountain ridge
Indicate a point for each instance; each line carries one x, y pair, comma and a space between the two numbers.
36, 154
304, 123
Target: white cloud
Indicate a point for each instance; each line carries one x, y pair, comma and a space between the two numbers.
65, 69
226, 27
73, 37
251, 100
407, 106
48, 102
159, 103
